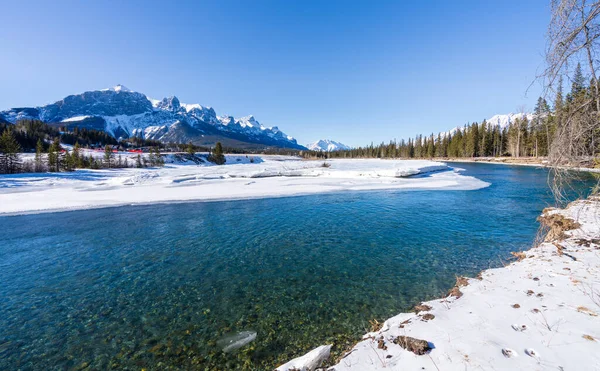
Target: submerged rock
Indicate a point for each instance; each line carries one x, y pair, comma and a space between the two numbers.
232, 342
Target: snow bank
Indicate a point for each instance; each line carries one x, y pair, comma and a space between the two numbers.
540, 313
241, 177
308, 362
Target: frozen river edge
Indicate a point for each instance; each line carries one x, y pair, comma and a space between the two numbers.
243, 177
538, 313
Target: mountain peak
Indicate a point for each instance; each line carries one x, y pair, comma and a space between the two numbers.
327, 145
123, 113
170, 103
120, 88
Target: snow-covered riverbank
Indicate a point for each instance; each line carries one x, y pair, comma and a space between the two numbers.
522, 161
242, 177
539, 313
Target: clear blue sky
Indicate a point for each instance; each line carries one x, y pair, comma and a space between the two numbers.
355, 72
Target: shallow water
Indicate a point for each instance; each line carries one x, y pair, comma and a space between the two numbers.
158, 286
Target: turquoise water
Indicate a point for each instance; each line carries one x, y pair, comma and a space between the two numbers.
157, 286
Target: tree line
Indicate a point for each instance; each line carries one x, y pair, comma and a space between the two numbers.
526, 136
57, 159
34, 135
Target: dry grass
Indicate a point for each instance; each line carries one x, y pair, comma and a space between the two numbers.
519, 255
589, 312
375, 325
422, 308
417, 346
428, 317
557, 225
460, 282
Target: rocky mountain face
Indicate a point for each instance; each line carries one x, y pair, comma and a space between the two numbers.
124, 113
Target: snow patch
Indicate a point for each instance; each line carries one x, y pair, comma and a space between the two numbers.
76, 118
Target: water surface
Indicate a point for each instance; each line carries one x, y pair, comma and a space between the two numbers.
157, 286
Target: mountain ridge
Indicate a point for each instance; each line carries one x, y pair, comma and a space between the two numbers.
327, 145
124, 113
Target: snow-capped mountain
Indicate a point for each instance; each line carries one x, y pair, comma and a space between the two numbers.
500, 120
504, 120
125, 113
327, 145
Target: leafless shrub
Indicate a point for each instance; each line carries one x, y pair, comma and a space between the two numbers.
572, 40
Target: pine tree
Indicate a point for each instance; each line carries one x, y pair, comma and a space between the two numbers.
39, 160
484, 138
158, 159
431, 147
578, 84
138, 161
54, 156
108, 156
472, 147
68, 162
93, 162
190, 149
76, 156
439, 151
9, 153
217, 156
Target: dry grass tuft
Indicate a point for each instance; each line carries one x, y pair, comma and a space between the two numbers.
587, 311
519, 255
460, 282
422, 308
417, 346
428, 317
557, 225
375, 325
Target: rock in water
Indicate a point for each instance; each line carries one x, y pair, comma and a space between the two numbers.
231, 342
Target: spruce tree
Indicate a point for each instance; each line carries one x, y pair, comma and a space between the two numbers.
54, 156
68, 161
108, 156
76, 156
431, 147
217, 156
190, 149
578, 84
9, 153
39, 161
158, 159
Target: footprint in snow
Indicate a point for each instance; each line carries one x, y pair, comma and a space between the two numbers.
520, 328
532, 353
509, 353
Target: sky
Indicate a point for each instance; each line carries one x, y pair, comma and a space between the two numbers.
352, 71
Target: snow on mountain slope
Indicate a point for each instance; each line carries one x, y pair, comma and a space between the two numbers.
501, 121
75, 118
123, 113
327, 145
504, 120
